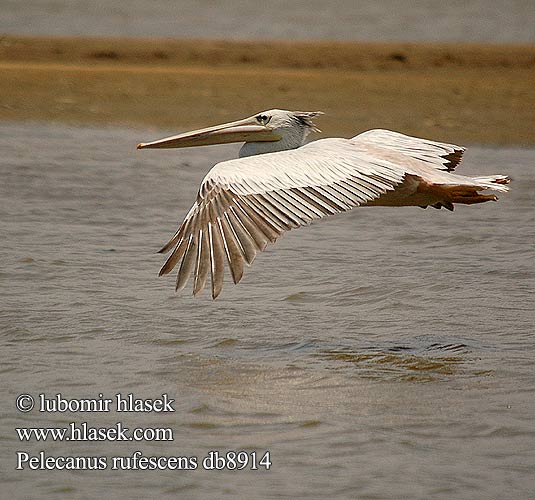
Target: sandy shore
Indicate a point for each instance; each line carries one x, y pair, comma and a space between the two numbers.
461, 93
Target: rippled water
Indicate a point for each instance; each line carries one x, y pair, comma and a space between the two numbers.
432, 20
381, 354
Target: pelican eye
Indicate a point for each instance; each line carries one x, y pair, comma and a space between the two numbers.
263, 119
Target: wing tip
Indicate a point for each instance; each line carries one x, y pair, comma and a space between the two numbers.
454, 158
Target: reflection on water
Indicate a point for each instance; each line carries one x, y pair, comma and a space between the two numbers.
380, 354
399, 363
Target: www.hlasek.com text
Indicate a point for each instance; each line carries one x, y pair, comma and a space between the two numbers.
85, 432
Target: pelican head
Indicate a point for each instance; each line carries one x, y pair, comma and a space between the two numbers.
265, 132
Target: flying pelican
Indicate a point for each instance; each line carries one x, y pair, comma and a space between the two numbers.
280, 183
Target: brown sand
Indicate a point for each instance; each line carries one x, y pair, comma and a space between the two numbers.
456, 92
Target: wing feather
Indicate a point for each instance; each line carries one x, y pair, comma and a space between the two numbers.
268, 233
281, 210
175, 256
272, 212
203, 260
243, 238
360, 197
311, 196
188, 261
180, 231
235, 257
217, 257
247, 216
298, 210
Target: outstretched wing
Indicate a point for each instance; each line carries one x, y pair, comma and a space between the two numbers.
245, 204
440, 155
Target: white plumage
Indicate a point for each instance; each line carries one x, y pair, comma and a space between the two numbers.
280, 184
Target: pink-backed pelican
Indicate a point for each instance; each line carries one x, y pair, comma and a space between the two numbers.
280, 183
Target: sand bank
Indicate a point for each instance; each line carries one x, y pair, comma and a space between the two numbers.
457, 92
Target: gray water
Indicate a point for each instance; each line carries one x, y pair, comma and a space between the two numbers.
384, 353
431, 20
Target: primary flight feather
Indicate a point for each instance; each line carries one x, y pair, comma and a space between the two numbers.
280, 183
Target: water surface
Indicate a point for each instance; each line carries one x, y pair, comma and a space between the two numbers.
385, 353
432, 20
